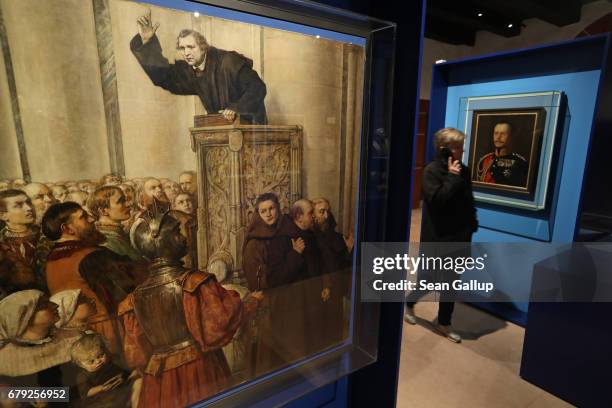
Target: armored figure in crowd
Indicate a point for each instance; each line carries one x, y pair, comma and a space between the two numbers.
200, 317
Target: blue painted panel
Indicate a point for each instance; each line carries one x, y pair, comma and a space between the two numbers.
572, 67
551, 102
580, 88
521, 226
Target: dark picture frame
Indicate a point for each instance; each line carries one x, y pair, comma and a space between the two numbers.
504, 154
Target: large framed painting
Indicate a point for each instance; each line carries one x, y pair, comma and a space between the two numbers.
182, 197
510, 145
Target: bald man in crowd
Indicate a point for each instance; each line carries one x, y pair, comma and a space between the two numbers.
59, 192
293, 252
79, 197
188, 182
152, 188
41, 197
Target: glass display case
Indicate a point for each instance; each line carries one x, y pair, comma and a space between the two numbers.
184, 187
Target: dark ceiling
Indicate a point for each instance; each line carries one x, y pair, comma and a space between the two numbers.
457, 21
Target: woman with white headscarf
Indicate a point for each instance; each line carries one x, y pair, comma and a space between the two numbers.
27, 342
74, 310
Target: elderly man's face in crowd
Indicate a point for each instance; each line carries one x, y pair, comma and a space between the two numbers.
268, 212
190, 50
172, 189
90, 188
19, 211
41, 198
79, 197
129, 194
501, 135
321, 215
306, 220
117, 210
186, 182
59, 192
153, 188
183, 203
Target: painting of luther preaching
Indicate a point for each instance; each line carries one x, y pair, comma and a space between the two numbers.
504, 149
178, 198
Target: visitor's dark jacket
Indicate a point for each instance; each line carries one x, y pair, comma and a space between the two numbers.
227, 82
285, 264
449, 214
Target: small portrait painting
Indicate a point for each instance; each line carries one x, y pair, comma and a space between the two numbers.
504, 149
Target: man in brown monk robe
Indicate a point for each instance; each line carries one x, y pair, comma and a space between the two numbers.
336, 263
294, 274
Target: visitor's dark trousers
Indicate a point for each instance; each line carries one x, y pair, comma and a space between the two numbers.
445, 311
446, 305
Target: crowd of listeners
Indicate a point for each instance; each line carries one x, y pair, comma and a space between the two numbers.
69, 269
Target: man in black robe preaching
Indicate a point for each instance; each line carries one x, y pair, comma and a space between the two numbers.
224, 80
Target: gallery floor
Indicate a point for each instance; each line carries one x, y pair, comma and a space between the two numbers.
482, 371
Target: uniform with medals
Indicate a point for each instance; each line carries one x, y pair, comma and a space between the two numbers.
509, 169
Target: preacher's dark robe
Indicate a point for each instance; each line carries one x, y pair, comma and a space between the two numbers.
227, 82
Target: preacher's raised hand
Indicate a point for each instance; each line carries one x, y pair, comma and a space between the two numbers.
146, 28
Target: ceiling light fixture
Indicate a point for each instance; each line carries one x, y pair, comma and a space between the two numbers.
196, 14
480, 14
510, 25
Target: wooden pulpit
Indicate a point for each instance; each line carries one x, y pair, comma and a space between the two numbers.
235, 164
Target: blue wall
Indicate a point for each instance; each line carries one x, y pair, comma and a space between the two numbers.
573, 68
580, 88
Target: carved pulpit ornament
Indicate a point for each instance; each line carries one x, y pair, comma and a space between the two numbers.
235, 164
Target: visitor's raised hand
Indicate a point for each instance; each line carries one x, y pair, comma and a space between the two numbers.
454, 166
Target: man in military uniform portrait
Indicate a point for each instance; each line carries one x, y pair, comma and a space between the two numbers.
502, 166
